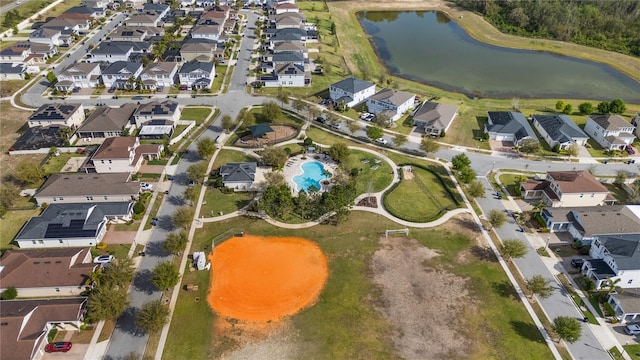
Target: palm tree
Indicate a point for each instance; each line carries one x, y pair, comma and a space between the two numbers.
612, 286
94, 278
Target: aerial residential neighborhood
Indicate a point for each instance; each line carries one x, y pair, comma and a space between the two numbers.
223, 179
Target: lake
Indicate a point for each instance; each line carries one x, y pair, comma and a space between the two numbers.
428, 47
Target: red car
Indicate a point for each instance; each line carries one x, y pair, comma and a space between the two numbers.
60, 346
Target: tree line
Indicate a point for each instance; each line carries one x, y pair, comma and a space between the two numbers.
609, 25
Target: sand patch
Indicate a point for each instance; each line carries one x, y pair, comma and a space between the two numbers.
258, 278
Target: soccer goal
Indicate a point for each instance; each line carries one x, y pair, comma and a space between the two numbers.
399, 231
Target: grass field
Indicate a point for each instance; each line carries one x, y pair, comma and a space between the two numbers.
227, 156
196, 114
11, 224
215, 202
368, 180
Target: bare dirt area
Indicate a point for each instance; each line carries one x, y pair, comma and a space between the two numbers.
276, 340
280, 133
12, 122
420, 302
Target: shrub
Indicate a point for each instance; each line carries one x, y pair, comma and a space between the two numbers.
101, 246
355, 172
588, 283
577, 244
138, 208
585, 250
52, 334
10, 294
608, 309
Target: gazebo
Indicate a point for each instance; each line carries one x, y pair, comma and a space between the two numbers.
260, 130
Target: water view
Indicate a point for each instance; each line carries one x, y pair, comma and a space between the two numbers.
428, 47
312, 173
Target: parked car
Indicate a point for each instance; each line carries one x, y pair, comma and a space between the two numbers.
369, 117
320, 119
630, 150
137, 97
382, 141
365, 115
632, 329
577, 262
336, 126
146, 186
60, 346
103, 259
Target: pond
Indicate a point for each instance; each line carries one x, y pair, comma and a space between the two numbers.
428, 47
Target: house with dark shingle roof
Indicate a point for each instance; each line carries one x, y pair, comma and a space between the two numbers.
70, 115
626, 305
287, 75
239, 176
559, 130
87, 188
508, 126
590, 223
40, 137
611, 131
567, 189
15, 53
167, 110
80, 75
159, 74
26, 323
622, 254
106, 121
121, 75
352, 91
197, 75
393, 103
46, 272
434, 118
12, 71
112, 51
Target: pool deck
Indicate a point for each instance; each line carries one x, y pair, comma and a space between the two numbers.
293, 167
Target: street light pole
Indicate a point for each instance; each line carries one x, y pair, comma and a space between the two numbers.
546, 246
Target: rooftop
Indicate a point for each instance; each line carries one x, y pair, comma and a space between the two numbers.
53, 112
352, 85
509, 122
72, 184
395, 97
116, 148
105, 118
238, 172
572, 182
610, 122
560, 127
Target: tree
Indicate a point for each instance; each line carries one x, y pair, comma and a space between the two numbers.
513, 249
247, 118
138, 208
353, 126
227, 123
382, 120
567, 328
273, 178
459, 162
496, 218
374, 132
400, 139
466, 175
175, 242
635, 191
475, 189
621, 177
51, 78
272, 111
339, 151
183, 217
573, 150
27, 172
107, 303
530, 146
586, 108
152, 317
197, 171
274, 156
191, 194
299, 105
165, 275
603, 107
276, 201
9, 194
568, 109
119, 273
95, 277
539, 286
283, 96
559, 105
613, 287
429, 145
10, 293
206, 147
617, 106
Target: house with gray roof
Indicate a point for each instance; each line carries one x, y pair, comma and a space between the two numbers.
197, 75
287, 75
559, 130
201, 50
508, 126
167, 110
611, 131
161, 9
106, 122
351, 91
390, 102
239, 176
159, 74
121, 75
80, 75
626, 305
15, 53
12, 71
65, 188
71, 225
434, 118
112, 51
70, 115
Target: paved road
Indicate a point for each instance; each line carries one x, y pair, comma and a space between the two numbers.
587, 347
11, 6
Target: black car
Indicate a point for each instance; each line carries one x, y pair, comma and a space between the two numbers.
137, 97
577, 263
321, 119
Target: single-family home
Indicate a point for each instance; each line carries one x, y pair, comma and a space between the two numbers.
155, 120
74, 23
87, 188
47, 36
285, 7
93, 12
239, 176
161, 10
567, 189
112, 51
286, 20
208, 32
26, 323
351, 91
28, 53
146, 19
626, 305
275, 36
106, 122
121, 75
97, 3
46, 272
159, 74
287, 75
290, 46
391, 103
40, 137
72, 225
611, 131
286, 57
12, 71
16, 53
508, 126
122, 154
70, 115
434, 118
78, 75
559, 130
197, 75
129, 33
200, 50
218, 14
635, 121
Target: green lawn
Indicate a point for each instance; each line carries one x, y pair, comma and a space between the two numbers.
633, 351
510, 181
216, 202
11, 224
344, 324
54, 164
619, 193
368, 180
420, 199
196, 114
227, 156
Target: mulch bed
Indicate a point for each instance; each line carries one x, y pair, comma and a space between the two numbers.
280, 133
371, 202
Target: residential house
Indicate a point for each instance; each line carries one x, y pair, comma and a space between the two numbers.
71, 23
106, 122
159, 74
290, 46
130, 33
287, 74
113, 51
146, 19
161, 10
285, 7
87, 188
217, 15
155, 120
636, 122
48, 36
70, 115
567, 189
28, 53
103, 4
121, 154
26, 323
12, 71
121, 75
626, 305
197, 75
16, 53
434, 118
46, 272
559, 130
207, 32
239, 176
200, 50
78, 75
287, 20
508, 126
391, 103
351, 91
93, 12
275, 36
611, 131
615, 257
40, 137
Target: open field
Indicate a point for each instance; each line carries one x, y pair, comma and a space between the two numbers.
196, 114
215, 202
11, 224
359, 313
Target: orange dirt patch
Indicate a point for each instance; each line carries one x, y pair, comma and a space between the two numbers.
258, 278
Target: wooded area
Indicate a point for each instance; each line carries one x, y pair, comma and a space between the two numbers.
610, 25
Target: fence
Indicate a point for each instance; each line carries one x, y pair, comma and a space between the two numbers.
44, 151
225, 236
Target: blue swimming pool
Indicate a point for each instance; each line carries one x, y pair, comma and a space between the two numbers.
312, 174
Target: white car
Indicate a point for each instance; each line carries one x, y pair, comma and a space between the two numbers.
103, 259
382, 141
146, 186
633, 329
364, 116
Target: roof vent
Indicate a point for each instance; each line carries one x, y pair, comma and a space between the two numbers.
36, 262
